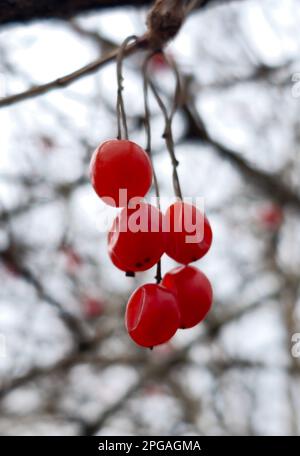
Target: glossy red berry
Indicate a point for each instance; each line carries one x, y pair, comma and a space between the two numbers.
120, 165
193, 292
136, 239
188, 235
152, 315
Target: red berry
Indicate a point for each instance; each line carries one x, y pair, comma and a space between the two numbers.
92, 307
193, 292
271, 216
152, 315
120, 165
136, 239
189, 236
11, 268
74, 261
159, 62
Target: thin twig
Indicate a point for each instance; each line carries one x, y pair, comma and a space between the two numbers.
65, 81
10, 256
168, 134
121, 113
158, 276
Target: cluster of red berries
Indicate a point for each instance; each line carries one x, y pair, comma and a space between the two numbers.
141, 234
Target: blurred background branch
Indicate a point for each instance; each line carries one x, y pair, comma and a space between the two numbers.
67, 365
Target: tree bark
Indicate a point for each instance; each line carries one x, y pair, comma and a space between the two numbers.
28, 10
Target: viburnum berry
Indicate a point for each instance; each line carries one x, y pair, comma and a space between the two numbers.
152, 315
158, 62
189, 235
271, 216
92, 307
136, 239
193, 292
120, 164
73, 259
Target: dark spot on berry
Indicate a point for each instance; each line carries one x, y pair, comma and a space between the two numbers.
146, 260
138, 265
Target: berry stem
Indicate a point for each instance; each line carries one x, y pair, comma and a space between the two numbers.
148, 148
121, 114
129, 274
158, 276
148, 126
168, 134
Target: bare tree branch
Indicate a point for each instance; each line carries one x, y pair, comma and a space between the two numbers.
66, 363
65, 81
270, 184
163, 24
28, 10
164, 21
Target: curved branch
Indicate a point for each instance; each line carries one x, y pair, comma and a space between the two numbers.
163, 22
65, 81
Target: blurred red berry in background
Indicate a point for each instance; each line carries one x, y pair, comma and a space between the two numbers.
92, 307
159, 62
271, 216
73, 259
